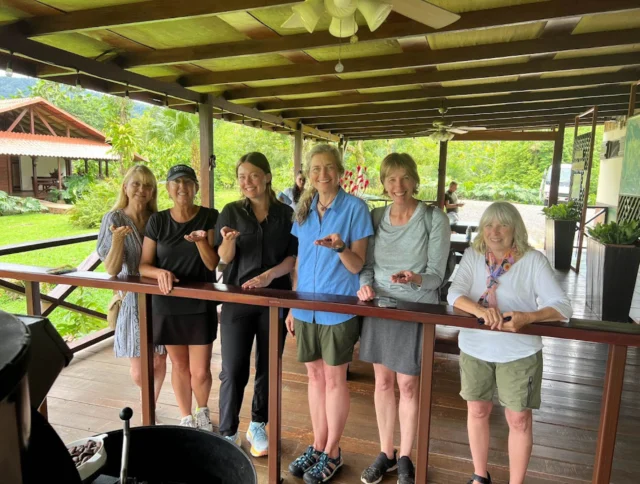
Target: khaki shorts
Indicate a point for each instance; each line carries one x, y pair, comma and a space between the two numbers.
519, 382
331, 343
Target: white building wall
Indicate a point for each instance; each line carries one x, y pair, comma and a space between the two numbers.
610, 172
45, 166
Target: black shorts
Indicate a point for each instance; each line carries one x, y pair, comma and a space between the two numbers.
186, 329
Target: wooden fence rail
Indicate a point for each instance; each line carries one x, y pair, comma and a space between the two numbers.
617, 336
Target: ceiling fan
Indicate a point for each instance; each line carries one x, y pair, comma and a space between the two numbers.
442, 131
375, 12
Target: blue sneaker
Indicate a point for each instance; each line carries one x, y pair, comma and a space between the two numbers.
257, 437
235, 438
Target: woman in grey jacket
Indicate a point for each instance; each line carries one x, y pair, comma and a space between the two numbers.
406, 261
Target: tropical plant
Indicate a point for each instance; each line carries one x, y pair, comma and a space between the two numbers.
562, 211
74, 187
511, 192
625, 233
10, 205
72, 325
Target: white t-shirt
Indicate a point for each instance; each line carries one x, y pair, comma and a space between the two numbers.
529, 285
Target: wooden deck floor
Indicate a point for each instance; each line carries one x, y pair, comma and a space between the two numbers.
88, 395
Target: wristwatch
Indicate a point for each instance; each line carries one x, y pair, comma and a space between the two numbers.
339, 250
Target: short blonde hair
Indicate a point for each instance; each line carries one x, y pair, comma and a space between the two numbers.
146, 177
507, 214
399, 160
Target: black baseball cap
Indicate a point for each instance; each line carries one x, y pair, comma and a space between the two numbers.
178, 171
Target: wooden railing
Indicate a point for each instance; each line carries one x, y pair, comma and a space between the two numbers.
618, 336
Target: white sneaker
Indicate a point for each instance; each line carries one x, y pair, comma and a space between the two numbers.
187, 422
234, 438
203, 422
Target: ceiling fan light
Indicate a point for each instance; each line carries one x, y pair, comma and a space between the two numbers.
341, 9
310, 12
293, 22
375, 12
345, 27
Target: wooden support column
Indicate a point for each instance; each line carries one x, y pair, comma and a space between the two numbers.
146, 360
609, 413
99, 168
275, 396
59, 173
207, 159
555, 165
34, 308
442, 173
86, 167
106, 168
33, 121
424, 409
34, 168
68, 167
298, 142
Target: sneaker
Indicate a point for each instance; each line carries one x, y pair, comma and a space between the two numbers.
373, 474
406, 472
305, 462
235, 438
257, 437
203, 422
324, 470
187, 422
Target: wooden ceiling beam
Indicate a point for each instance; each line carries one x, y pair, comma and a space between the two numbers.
441, 92
397, 30
421, 59
433, 77
592, 94
482, 136
137, 13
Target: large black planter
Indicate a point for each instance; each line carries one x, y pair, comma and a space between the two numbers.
559, 235
612, 271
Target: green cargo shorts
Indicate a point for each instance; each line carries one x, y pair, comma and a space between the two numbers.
519, 382
331, 343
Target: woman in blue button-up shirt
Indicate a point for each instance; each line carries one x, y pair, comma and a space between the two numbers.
332, 229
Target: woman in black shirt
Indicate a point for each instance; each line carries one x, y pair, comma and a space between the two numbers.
254, 240
178, 247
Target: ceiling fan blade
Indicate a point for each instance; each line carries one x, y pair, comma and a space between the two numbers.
472, 128
457, 131
425, 13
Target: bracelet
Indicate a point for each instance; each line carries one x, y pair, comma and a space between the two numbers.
340, 250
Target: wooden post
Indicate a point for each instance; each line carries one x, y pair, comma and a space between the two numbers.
99, 168
68, 167
33, 121
632, 99
424, 409
34, 167
442, 173
146, 359
298, 142
205, 116
59, 173
86, 167
34, 308
555, 165
106, 168
275, 396
609, 413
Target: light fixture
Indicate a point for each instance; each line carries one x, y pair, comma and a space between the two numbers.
9, 69
166, 100
374, 12
305, 15
78, 81
343, 27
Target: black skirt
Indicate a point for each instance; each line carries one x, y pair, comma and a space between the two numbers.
186, 329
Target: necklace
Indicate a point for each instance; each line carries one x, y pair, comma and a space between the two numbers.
322, 207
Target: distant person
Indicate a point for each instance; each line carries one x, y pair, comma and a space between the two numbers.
254, 240
451, 203
501, 276
120, 248
178, 247
291, 196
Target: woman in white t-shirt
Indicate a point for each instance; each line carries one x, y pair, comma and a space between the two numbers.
290, 196
501, 276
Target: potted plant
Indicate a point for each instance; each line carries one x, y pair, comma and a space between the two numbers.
559, 233
613, 258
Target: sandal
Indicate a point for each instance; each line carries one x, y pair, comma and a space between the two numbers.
480, 479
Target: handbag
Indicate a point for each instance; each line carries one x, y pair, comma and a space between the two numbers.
114, 308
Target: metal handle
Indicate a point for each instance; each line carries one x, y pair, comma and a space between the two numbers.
125, 415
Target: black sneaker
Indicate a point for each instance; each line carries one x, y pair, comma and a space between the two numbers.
324, 469
406, 472
373, 474
305, 462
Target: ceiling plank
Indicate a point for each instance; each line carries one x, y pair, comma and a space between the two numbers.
439, 92
422, 59
397, 30
532, 67
593, 94
488, 136
138, 13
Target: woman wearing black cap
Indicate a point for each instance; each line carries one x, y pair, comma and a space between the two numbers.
254, 240
178, 247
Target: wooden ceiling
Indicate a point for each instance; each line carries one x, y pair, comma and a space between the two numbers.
506, 64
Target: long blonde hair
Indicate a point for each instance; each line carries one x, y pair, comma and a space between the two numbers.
507, 214
304, 205
147, 177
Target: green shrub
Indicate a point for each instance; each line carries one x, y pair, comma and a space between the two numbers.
562, 211
74, 325
10, 205
75, 186
510, 192
626, 233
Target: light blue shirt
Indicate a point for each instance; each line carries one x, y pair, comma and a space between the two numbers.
319, 268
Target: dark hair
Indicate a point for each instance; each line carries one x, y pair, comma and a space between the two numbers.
258, 160
297, 191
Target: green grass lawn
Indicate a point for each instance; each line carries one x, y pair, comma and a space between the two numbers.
16, 229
